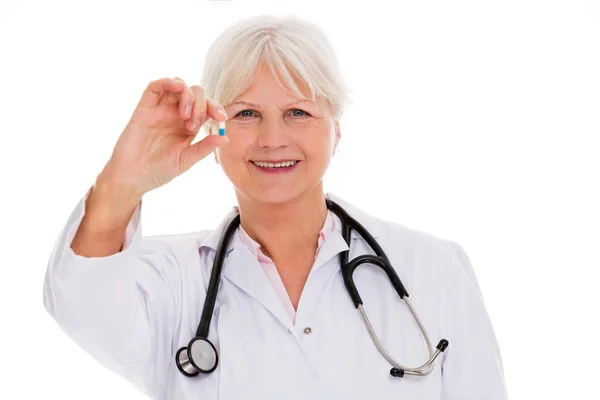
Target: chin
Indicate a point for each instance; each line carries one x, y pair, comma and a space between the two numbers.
274, 195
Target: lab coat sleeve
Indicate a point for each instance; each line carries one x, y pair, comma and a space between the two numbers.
120, 309
472, 366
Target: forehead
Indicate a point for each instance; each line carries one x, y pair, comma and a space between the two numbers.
266, 88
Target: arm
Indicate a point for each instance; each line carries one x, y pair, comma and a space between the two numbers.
115, 303
472, 366
108, 210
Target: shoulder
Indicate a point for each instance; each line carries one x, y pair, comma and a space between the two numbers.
180, 245
411, 246
396, 233
442, 255
429, 262
445, 258
405, 237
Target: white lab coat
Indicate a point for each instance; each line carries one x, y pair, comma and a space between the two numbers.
133, 310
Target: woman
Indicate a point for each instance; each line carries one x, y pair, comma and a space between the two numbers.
283, 324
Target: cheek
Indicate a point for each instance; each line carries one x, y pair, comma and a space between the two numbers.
320, 145
228, 156
232, 156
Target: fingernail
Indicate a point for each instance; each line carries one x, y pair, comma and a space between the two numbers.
222, 112
194, 125
187, 111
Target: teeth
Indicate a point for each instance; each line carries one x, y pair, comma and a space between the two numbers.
274, 165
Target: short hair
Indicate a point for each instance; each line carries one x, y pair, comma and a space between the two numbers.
293, 48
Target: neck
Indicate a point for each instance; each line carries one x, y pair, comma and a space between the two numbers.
283, 228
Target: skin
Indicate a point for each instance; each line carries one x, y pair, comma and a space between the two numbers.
282, 212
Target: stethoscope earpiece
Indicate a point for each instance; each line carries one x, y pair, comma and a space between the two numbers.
199, 356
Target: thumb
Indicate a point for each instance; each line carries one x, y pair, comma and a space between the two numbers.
196, 152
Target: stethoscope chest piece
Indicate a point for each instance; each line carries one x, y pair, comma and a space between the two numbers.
199, 356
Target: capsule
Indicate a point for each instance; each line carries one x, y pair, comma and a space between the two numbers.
221, 128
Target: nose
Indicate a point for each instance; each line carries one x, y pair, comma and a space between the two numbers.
273, 133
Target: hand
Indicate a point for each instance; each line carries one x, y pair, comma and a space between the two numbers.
155, 146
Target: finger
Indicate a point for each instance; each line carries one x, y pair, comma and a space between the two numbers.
156, 89
196, 152
198, 111
186, 101
216, 111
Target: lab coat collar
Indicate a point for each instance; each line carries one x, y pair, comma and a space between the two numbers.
243, 270
369, 222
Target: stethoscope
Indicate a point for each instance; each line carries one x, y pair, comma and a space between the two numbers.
200, 355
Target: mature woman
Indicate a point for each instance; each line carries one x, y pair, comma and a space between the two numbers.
270, 283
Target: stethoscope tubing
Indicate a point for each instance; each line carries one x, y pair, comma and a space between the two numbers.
381, 260
215, 277
185, 361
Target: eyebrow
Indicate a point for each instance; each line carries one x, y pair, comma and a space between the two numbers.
259, 107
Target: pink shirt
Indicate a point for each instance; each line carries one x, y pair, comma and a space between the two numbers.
270, 269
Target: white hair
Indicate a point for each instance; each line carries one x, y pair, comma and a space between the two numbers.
295, 49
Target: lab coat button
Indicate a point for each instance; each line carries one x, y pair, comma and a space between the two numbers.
290, 330
307, 330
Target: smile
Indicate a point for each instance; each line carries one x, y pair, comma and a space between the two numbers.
274, 165
282, 167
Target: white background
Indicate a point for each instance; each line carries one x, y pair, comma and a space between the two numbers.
476, 121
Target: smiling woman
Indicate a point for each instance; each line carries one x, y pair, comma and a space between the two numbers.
284, 95
273, 284
281, 134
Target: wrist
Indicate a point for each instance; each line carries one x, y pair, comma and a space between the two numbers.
115, 193
110, 205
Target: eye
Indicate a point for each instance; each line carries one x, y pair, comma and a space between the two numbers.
246, 114
296, 112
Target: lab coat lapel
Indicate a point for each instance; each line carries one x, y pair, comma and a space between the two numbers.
328, 260
332, 246
335, 243
243, 270
327, 264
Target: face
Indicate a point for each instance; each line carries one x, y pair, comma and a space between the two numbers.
279, 145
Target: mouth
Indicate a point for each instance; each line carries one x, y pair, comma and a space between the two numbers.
276, 167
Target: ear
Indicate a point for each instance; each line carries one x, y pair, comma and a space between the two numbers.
338, 135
